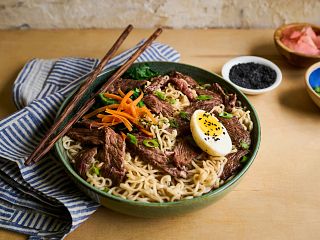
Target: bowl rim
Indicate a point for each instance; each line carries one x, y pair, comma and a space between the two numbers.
310, 69
278, 34
245, 59
222, 188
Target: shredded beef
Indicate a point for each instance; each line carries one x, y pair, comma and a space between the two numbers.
184, 152
156, 84
155, 157
238, 134
158, 106
191, 82
183, 126
229, 100
233, 164
83, 160
86, 136
205, 105
112, 154
126, 85
185, 88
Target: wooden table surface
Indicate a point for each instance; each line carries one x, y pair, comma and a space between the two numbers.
278, 198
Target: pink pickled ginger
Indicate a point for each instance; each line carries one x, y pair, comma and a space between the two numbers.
303, 41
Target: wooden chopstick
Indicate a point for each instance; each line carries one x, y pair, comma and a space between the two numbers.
92, 76
48, 143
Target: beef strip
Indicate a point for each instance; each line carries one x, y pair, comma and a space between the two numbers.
236, 131
229, 100
184, 152
156, 84
86, 136
155, 157
185, 88
158, 106
112, 154
205, 105
233, 164
125, 85
83, 160
181, 125
191, 82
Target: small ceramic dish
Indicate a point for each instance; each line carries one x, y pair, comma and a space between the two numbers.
312, 80
246, 59
295, 58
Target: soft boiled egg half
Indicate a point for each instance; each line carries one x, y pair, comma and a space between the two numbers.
209, 134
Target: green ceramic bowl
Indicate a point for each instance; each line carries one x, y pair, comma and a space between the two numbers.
173, 208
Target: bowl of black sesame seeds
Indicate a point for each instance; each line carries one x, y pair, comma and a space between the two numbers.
252, 75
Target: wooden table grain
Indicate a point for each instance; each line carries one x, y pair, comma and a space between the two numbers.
279, 196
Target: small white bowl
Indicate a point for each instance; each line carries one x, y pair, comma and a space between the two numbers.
246, 59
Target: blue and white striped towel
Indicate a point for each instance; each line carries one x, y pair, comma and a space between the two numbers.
40, 200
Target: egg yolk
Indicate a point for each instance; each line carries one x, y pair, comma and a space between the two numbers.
209, 125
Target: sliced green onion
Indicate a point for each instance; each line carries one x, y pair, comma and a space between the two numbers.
132, 138
244, 145
173, 123
204, 97
184, 115
106, 189
160, 95
141, 104
136, 93
95, 170
106, 101
244, 159
151, 143
225, 115
173, 101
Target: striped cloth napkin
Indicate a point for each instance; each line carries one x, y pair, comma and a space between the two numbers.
40, 200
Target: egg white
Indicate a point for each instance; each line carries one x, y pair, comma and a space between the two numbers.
220, 145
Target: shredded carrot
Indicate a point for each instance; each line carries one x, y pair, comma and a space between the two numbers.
124, 100
112, 106
145, 110
126, 112
123, 114
112, 96
138, 99
125, 122
123, 135
122, 94
108, 118
95, 112
145, 131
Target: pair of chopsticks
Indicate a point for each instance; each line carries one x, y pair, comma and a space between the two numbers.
53, 134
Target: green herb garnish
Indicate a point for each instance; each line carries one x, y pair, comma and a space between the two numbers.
152, 143
160, 95
244, 159
184, 115
244, 145
204, 97
132, 138
173, 123
225, 115
106, 101
140, 72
